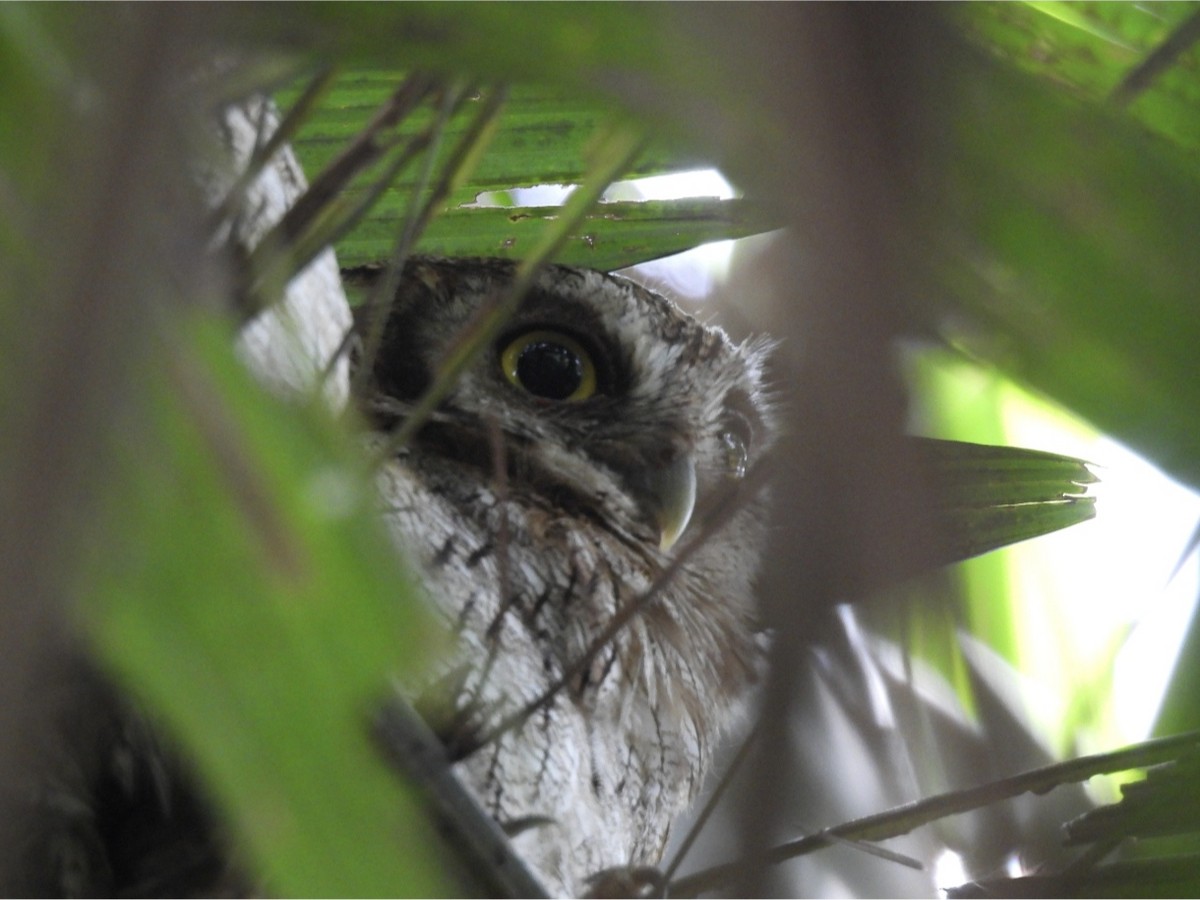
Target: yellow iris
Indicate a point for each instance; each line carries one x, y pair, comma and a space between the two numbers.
550, 365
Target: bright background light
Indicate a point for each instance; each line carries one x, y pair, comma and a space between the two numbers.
1100, 608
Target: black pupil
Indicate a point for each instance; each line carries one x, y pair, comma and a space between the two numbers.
549, 370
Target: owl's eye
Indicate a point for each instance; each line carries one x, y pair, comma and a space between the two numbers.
733, 448
550, 365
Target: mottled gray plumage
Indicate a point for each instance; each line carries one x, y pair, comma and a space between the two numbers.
528, 565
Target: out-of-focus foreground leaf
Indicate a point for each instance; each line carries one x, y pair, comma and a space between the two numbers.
242, 583
1131, 54
1063, 227
1063, 248
236, 574
1073, 259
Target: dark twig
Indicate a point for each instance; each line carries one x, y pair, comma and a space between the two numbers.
462, 159
1161, 58
269, 144
710, 807
385, 288
322, 215
367, 147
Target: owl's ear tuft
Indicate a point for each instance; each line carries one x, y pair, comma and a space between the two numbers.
762, 400
757, 351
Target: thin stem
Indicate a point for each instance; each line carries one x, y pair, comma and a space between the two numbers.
462, 160
268, 145
1161, 58
904, 819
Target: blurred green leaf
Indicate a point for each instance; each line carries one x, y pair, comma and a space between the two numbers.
575, 44
1089, 48
242, 584
1069, 246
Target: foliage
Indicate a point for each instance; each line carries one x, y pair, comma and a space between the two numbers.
1050, 196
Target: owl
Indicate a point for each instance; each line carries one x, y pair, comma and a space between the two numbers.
604, 433
588, 470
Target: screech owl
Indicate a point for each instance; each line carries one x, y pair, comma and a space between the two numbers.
621, 421
625, 428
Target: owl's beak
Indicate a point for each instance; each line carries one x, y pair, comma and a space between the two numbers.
671, 492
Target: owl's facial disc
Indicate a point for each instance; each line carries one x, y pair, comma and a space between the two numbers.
615, 408
555, 368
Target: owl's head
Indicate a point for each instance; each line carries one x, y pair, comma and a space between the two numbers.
613, 405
